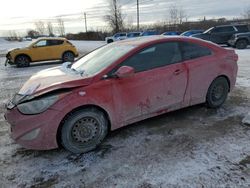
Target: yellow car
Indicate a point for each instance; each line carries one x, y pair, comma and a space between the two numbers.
43, 49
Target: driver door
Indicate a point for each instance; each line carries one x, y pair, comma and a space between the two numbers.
158, 84
40, 51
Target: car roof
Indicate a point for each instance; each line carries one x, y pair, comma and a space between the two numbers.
51, 38
232, 25
157, 38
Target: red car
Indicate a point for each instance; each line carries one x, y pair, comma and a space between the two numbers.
116, 85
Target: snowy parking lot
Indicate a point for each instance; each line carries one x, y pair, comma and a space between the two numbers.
192, 147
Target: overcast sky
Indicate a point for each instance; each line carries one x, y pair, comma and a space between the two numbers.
21, 14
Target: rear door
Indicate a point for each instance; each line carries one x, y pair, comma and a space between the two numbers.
57, 48
40, 51
159, 83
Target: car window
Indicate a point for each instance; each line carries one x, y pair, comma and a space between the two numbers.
122, 34
155, 56
223, 29
54, 42
242, 28
41, 43
192, 51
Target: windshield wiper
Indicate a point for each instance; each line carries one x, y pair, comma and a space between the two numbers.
79, 72
67, 67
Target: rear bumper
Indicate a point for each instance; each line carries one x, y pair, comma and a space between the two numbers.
38, 132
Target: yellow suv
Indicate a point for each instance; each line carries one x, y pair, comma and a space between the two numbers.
43, 49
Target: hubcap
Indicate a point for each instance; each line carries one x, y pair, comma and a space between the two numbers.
22, 60
85, 129
69, 57
218, 92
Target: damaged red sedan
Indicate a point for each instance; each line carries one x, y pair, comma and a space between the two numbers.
121, 83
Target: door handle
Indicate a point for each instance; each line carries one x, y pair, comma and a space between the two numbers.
178, 71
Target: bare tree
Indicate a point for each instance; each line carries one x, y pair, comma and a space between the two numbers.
246, 13
182, 15
61, 28
32, 33
50, 29
40, 27
173, 15
115, 18
12, 35
177, 15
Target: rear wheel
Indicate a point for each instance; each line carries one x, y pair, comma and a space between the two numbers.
22, 61
241, 44
83, 130
68, 57
217, 92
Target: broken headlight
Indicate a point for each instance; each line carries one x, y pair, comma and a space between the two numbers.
37, 106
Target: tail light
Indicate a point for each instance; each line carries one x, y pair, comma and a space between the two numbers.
231, 55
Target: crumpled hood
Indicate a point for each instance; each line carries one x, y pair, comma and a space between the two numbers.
20, 48
52, 79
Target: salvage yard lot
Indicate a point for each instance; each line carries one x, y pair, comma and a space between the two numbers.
192, 147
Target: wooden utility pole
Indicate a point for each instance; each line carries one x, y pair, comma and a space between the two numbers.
138, 17
85, 18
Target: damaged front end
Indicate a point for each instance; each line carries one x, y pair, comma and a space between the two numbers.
8, 60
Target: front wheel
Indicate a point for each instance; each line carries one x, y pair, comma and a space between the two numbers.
217, 92
22, 61
68, 57
83, 130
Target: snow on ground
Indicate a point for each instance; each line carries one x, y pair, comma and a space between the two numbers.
192, 147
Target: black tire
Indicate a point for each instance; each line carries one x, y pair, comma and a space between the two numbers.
110, 41
22, 61
68, 57
84, 130
217, 92
241, 44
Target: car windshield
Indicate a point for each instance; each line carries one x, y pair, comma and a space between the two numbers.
33, 42
101, 58
210, 29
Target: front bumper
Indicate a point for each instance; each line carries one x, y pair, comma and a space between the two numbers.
8, 60
38, 132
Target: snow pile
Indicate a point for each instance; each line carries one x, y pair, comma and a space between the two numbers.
246, 120
86, 46
5, 45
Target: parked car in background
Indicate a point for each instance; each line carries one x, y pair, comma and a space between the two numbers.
240, 40
149, 33
43, 49
221, 34
116, 85
116, 37
171, 33
27, 39
133, 34
191, 32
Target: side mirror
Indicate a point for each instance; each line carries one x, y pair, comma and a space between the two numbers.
125, 71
